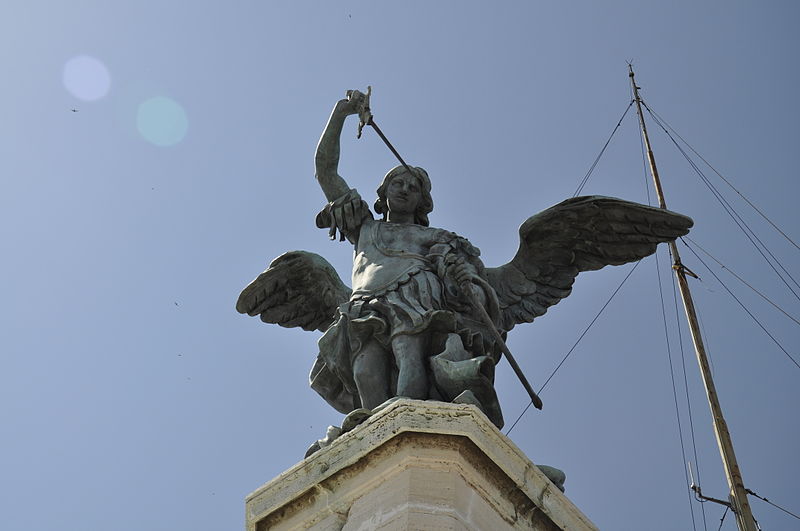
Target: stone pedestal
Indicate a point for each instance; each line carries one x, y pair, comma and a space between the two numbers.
415, 465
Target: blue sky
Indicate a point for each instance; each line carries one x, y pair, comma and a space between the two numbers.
133, 396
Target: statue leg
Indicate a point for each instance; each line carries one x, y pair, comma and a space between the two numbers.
412, 375
371, 374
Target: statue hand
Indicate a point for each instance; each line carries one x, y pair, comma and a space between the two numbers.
352, 104
470, 284
345, 214
460, 271
348, 213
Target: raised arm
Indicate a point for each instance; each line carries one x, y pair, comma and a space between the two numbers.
327, 157
345, 210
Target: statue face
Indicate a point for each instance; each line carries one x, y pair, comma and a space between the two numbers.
403, 194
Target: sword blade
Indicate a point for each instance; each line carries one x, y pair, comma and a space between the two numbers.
389, 144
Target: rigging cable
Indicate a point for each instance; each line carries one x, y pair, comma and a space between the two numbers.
655, 114
669, 354
674, 388
577, 191
748, 232
729, 208
724, 514
740, 279
723, 202
530, 403
743, 306
769, 502
597, 159
686, 386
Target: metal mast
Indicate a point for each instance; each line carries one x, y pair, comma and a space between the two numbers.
737, 495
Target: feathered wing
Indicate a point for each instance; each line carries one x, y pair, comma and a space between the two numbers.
297, 289
579, 234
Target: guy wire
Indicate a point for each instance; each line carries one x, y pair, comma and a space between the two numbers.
655, 114
597, 159
576, 343
686, 384
737, 219
740, 279
743, 306
674, 388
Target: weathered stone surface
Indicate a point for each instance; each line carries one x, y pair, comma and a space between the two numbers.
415, 465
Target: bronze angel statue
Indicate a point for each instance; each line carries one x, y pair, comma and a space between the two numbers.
414, 323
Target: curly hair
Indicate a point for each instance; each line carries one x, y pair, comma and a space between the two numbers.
425, 206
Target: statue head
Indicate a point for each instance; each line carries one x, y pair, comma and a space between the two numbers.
425, 205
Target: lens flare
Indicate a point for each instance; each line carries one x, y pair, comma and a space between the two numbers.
86, 78
162, 121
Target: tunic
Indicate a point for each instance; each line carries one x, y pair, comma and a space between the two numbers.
400, 287
396, 290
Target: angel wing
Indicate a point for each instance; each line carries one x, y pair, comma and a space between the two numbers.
579, 234
297, 289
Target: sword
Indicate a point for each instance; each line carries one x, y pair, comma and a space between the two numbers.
473, 299
365, 118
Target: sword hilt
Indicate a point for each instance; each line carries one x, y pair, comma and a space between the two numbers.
364, 112
365, 118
